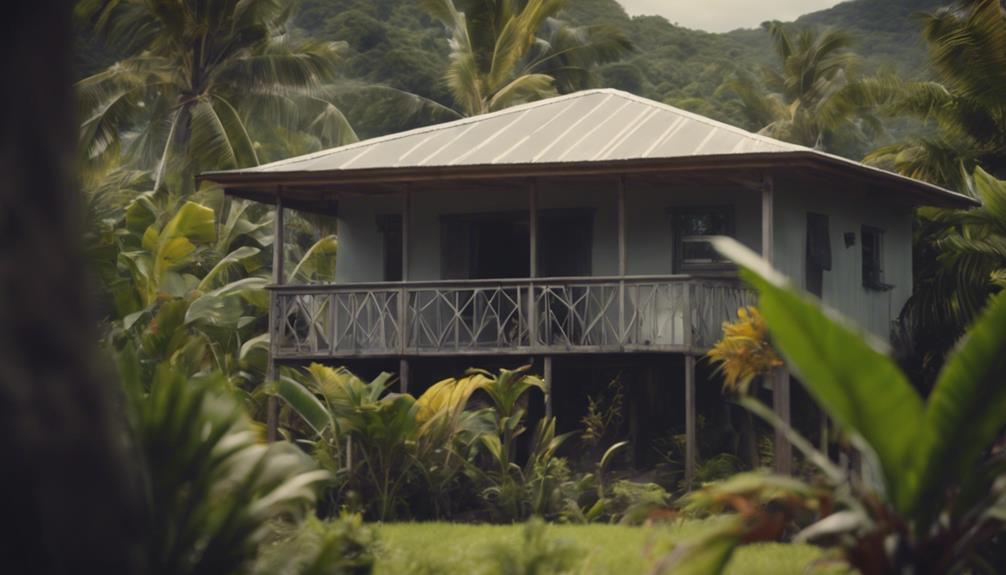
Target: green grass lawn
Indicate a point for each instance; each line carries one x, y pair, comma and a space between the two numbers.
452, 548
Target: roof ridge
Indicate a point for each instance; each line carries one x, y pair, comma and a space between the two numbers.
437, 127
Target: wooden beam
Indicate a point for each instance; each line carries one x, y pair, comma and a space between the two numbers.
547, 376
781, 405
278, 278
767, 223
690, 446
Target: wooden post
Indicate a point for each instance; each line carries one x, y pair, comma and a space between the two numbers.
278, 278
767, 224
532, 316
780, 376
406, 213
622, 265
548, 386
403, 375
690, 450
403, 294
780, 404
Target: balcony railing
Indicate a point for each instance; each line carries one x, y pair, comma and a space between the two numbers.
526, 316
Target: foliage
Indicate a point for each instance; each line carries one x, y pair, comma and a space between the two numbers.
190, 72
344, 546
506, 53
536, 554
380, 428
185, 285
969, 263
461, 548
814, 97
744, 352
967, 47
210, 484
604, 414
930, 494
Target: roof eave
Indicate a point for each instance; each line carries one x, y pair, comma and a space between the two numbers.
246, 183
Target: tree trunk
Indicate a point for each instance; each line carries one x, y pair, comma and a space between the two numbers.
67, 493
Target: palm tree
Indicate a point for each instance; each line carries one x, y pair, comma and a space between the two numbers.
505, 52
193, 69
967, 46
956, 253
813, 98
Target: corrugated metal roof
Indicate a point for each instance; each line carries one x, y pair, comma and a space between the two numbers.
588, 126
603, 126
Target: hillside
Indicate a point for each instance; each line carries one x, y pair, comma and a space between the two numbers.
393, 42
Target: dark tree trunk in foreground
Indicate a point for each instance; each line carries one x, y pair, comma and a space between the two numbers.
66, 497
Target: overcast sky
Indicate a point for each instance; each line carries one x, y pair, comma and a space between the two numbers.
724, 15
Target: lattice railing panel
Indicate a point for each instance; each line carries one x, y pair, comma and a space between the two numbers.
717, 303
467, 318
577, 315
656, 314
581, 315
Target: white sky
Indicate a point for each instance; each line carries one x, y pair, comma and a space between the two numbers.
724, 15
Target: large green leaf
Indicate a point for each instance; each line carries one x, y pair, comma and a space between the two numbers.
318, 263
306, 404
230, 260
967, 408
848, 374
192, 224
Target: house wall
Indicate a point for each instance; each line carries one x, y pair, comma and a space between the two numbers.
649, 248
848, 210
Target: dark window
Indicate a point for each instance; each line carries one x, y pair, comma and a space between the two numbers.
390, 227
818, 253
565, 240
485, 246
873, 258
693, 230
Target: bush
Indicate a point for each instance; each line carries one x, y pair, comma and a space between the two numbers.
344, 546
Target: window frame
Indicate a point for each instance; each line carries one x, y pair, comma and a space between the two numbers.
678, 213
872, 269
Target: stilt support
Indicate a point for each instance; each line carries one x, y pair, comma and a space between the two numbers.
780, 404
690, 448
548, 386
403, 375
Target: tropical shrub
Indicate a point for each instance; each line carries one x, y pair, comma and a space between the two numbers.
932, 491
535, 554
343, 546
211, 484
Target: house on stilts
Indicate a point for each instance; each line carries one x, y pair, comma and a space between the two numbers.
574, 233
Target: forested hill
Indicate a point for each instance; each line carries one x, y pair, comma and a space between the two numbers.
394, 42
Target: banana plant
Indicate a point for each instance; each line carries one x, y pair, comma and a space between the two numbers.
933, 489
